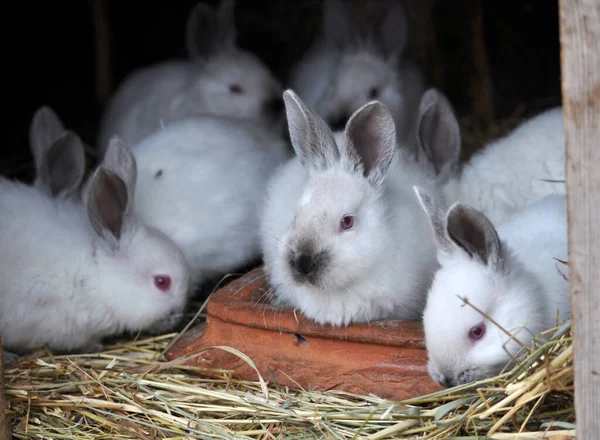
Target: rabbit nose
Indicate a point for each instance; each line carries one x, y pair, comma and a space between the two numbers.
339, 123
275, 105
446, 382
304, 264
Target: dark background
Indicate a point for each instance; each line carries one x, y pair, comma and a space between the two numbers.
50, 53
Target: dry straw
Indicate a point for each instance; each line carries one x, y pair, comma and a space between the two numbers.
125, 393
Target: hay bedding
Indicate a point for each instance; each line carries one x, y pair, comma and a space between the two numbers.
124, 392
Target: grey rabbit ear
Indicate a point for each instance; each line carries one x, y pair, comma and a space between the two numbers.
120, 161
391, 27
371, 141
226, 16
474, 233
311, 138
63, 166
107, 205
437, 219
45, 128
209, 31
438, 133
340, 27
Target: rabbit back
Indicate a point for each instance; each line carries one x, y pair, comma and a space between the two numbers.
539, 237
521, 168
43, 271
201, 181
143, 102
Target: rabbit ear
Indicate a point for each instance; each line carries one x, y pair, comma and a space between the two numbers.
391, 28
63, 166
107, 205
339, 25
474, 233
370, 141
209, 31
438, 133
45, 128
120, 161
436, 218
311, 138
226, 16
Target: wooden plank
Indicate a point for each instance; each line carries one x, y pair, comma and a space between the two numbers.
580, 66
4, 423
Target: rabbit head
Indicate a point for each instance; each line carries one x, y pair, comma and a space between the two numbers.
230, 81
340, 216
147, 271
368, 65
58, 155
467, 342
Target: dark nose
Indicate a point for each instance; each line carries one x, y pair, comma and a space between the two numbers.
446, 382
275, 105
339, 123
304, 263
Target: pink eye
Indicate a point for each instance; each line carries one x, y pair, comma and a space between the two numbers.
346, 222
476, 332
235, 89
162, 282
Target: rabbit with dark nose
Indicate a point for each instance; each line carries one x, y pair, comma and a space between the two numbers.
343, 236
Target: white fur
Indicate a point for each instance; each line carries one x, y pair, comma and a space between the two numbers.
200, 181
64, 284
153, 96
335, 77
509, 173
379, 269
525, 295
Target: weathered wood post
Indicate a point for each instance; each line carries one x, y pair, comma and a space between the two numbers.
4, 425
580, 65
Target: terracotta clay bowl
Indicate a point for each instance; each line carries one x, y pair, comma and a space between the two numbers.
385, 358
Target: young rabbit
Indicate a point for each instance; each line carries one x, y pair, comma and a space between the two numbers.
504, 176
58, 155
348, 67
219, 78
200, 181
510, 274
344, 239
80, 271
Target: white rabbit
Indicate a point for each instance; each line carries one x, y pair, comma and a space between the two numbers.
343, 236
200, 181
77, 272
510, 274
58, 154
504, 176
219, 78
348, 67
